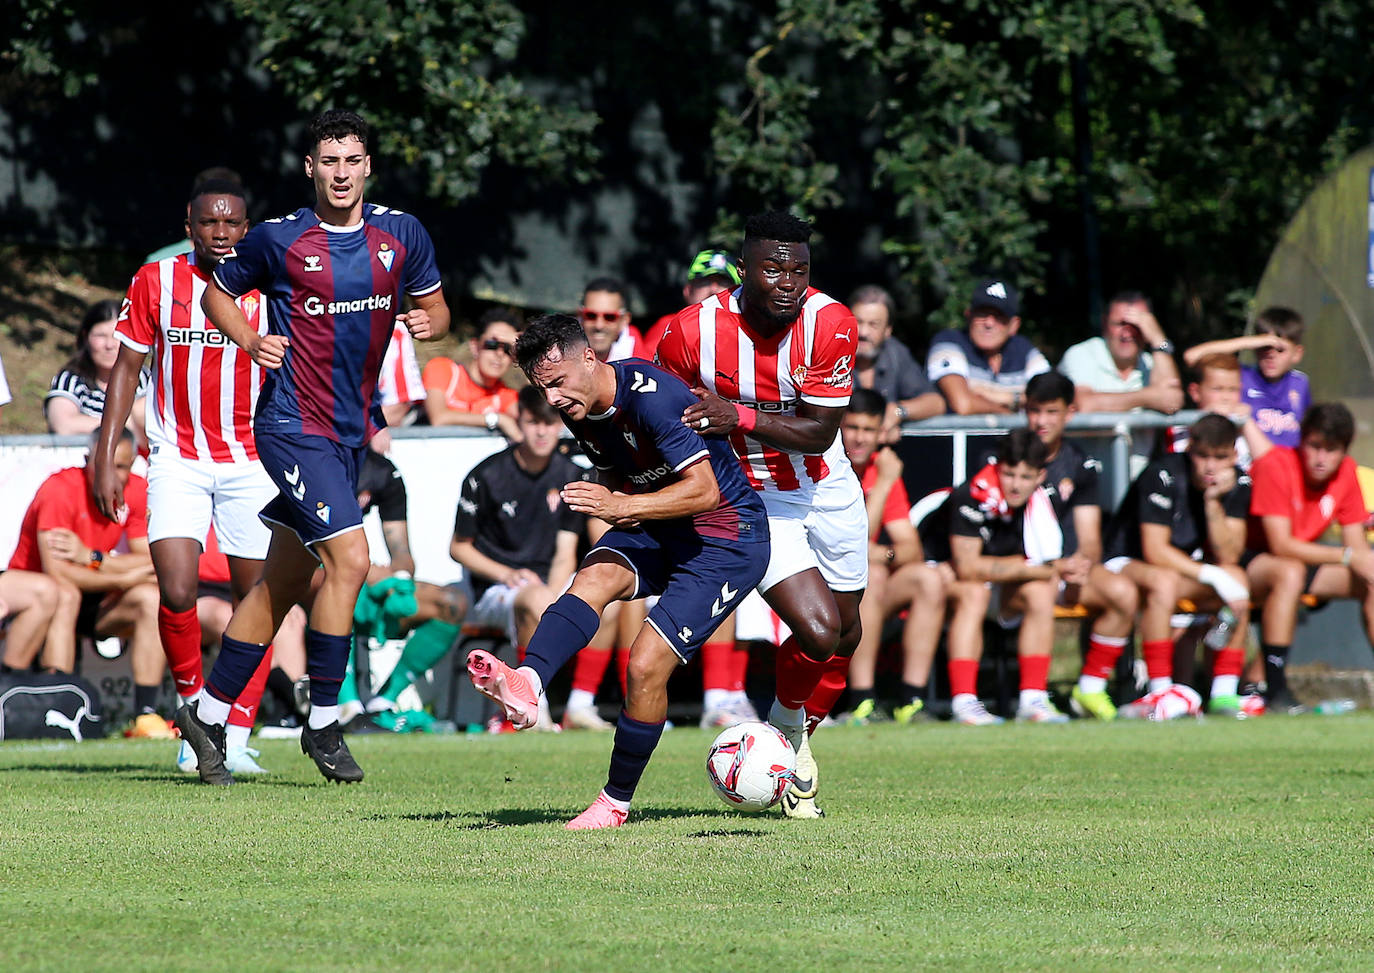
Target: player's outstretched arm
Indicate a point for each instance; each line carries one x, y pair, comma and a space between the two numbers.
694, 492
267, 350
119, 399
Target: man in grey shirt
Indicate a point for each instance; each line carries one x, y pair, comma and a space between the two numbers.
885, 365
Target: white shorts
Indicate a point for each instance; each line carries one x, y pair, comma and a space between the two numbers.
832, 538
185, 496
495, 609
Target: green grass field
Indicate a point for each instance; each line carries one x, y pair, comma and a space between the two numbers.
1217, 845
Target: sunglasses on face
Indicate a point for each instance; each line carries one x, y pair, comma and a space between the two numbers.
591, 317
493, 344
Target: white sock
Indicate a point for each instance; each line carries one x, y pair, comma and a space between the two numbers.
962, 700
534, 679
236, 736
581, 699
322, 716
213, 711
188, 700
1160, 683
1029, 697
1225, 685
779, 713
737, 696
716, 698
1092, 684
620, 805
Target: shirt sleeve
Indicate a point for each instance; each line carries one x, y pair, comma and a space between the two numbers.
1087, 490
470, 501
420, 276
947, 357
898, 506
965, 519
1270, 490
249, 265
660, 408
391, 499
1350, 505
136, 496
829, 376
674, 355
1237, 502
438, 373
911, 378
1071, 365
1157, 497
138, 315
1036, 362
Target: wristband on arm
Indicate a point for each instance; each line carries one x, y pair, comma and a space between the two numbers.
747, 418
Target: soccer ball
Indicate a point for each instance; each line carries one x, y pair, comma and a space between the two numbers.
1173, 703
750, 764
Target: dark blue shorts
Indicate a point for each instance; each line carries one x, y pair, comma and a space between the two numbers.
699, 580
318, 483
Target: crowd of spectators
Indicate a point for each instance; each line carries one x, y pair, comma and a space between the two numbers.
1224, 514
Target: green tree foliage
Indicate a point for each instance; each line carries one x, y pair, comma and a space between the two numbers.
438, 79
963, 98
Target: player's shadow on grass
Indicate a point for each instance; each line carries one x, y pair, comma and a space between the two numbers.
119, 769
518, 816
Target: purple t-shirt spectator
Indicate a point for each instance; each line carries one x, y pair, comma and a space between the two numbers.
1278, 407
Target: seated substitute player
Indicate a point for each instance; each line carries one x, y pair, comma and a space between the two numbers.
1186, 514
100, 593
773, 365
334, 277
1297, 494
899, 578
999, 531
1111, 598
513, 535
685, 526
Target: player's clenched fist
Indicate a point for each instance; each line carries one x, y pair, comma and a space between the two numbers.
417, 323
269, 350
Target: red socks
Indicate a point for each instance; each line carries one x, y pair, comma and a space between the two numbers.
1159, 658
717, 668
834, 676
797, 675
963, 677
1228, 662
1103, 651
1035, 672
590, 669
180, 632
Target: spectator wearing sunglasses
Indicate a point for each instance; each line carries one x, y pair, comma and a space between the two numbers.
606, 321
476, 394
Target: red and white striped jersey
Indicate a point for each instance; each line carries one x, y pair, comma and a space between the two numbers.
205, 388
712, 345
399, 380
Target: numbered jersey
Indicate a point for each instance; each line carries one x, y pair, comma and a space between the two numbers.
205, 388
712, 345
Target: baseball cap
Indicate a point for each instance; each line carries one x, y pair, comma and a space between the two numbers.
998, 295
713, 263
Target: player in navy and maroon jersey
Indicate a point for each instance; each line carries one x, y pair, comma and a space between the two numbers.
333, 277
685, 525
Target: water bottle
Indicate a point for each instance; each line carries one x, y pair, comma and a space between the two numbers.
1220, 633
1334, 707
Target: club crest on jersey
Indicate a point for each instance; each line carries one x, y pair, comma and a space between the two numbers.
386, 255
1065, 489
508, 508
249, 306
799, 375
314, 263
322, 511
630, 438
552, 499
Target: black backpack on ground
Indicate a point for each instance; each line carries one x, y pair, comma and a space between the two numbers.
37, 705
